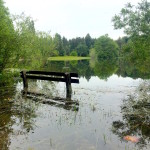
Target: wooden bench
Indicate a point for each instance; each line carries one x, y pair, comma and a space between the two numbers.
68, 78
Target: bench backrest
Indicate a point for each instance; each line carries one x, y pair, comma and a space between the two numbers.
51, 76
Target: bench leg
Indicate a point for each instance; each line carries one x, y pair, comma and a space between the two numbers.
68, 86
25, 81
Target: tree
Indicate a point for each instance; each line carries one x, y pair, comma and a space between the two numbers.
88, 41
121, 43
8, 37
93, 54
82, 50
135, 20
35, 47
73, 53
65, 45
105, 47
58, 44
45, 44
30, 53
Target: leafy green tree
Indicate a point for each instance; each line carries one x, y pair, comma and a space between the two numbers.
45, 44
93, 54
82, 49
54, 53
105, 47
26, 34
73, 53
134, 19
35, 47
121, 43
8, 38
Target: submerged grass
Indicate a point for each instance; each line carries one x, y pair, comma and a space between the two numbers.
136, 116
67, 58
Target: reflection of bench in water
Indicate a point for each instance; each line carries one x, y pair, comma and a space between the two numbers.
68, 78
54, 101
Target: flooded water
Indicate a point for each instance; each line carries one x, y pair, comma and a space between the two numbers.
99, 121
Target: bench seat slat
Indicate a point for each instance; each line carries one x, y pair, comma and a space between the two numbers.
46, 78
50, 78
74, 75
51, 73
74, 80
46, 73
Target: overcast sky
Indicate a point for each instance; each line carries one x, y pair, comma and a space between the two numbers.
71, 18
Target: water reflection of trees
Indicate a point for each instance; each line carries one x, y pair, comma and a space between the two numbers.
5, 125
82, 67
101, 68
5, 109
105, 68
14, 111
136, 116
12, 114
133, 68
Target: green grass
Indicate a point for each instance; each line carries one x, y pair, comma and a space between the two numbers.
67, 58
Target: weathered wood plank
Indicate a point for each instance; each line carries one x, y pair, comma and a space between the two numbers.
74, 75
46, 73
50, 78
74, 80
46, 78
51, 73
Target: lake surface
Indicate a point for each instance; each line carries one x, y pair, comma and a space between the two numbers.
98, 122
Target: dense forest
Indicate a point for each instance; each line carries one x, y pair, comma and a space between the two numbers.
21, 42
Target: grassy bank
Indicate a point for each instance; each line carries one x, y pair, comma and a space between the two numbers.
67, 58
